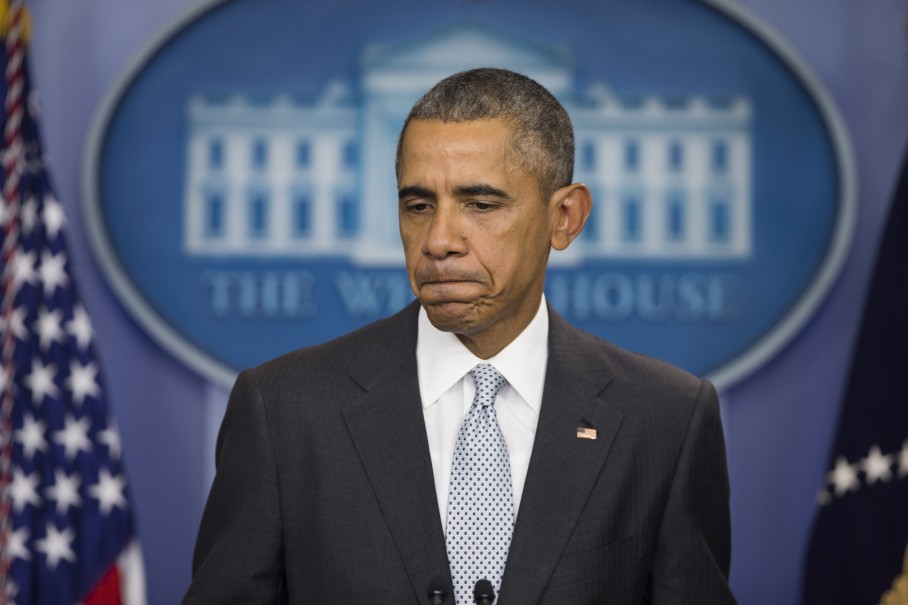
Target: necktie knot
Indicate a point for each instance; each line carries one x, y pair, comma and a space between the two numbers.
488, 382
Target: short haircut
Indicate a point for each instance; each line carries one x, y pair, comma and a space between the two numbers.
543, 134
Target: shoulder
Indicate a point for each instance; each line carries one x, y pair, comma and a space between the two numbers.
664, 411
570, 342
387, 341
635, 383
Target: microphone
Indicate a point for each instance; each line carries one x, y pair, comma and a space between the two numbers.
483, 593
438, 590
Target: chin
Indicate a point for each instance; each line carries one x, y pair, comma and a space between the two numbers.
459, 318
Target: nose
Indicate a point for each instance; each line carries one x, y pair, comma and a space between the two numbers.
445, 236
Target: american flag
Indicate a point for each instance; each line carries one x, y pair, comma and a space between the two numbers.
858, 551
66, 526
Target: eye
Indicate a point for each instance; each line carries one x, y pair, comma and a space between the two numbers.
481, 206
418, 206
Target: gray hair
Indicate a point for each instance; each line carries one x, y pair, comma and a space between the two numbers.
543, 135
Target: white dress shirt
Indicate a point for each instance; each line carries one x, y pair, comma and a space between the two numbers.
446, 388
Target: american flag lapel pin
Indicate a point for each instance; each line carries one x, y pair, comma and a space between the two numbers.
585, 432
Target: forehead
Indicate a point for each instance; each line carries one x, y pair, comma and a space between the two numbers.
476, 145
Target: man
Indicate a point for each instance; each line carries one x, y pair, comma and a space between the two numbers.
351, 472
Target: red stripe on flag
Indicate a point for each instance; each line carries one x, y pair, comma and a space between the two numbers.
107, 591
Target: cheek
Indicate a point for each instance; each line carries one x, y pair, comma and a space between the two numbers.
411, 248
524, 255
504, 261
412, 259
409, 236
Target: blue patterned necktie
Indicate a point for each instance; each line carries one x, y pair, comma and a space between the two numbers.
480, 501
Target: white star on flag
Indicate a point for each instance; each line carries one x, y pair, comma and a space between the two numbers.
80, 327
17, 324
28, 215
24, 268
53, 215
31, 436
83, 381
49, 326
65, 491
74, 436
876, 466
53, 271
843, 477
24, 489
110, 437
18, 540
56, 545
41, 381
108, 491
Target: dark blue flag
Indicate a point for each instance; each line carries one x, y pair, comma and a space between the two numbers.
66, 526
860, 535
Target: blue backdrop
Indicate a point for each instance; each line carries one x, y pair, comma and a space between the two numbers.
779, 420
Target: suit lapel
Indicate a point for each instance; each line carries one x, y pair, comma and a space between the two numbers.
388, 428
563, 468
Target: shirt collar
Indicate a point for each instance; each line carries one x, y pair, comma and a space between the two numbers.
442, 360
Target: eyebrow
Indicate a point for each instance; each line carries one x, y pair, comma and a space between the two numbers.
481, 189
478, 189
414, 191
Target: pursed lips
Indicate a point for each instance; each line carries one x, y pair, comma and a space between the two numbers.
447, 283
438, 278
449, 289
452, 280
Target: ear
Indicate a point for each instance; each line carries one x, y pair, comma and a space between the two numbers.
569, 208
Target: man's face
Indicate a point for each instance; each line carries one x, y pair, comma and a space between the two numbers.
475, 230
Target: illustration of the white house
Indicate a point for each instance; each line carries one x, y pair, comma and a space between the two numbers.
671, 177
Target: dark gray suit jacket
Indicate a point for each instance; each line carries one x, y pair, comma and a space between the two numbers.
324, 490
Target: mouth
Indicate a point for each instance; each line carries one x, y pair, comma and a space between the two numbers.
439, 291
433, 282
436, 276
